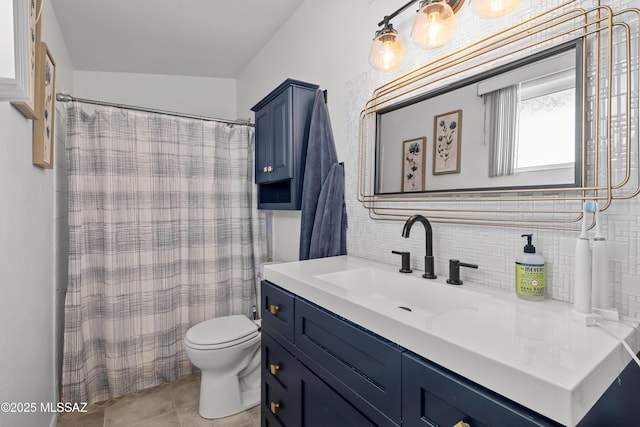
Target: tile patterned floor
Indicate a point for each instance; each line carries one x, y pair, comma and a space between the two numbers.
168, 405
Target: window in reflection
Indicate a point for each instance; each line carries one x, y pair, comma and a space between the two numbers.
545, 109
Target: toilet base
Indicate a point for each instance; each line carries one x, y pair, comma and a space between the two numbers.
222, 397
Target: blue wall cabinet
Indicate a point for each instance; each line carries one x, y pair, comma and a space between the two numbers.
319, 369
282, 131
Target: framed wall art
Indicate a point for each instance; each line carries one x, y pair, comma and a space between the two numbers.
27, 106
413, 159
43, 141
447, 130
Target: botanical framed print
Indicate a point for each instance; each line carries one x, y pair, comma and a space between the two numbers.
43, 141
27, 107
447, 130
413, 160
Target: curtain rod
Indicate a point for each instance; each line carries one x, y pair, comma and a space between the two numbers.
63, 97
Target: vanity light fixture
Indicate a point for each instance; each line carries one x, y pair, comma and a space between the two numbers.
434, 26
387, 50
494, 8
435, 22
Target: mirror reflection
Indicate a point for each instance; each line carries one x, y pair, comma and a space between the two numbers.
518, 126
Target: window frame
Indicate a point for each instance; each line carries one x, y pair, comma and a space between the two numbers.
18, 88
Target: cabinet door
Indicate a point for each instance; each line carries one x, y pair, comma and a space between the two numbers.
281, 117
363, 368
264, 142
321, 406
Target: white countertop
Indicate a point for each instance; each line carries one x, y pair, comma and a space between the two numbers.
529, 352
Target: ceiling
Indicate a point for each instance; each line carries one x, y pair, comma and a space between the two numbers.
208, 38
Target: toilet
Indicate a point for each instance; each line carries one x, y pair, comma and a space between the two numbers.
227, 351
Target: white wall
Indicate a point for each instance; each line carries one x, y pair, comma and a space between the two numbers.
324, 42
27, 271
328, 43
202, 96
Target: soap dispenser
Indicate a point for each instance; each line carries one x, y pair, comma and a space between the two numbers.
530, 273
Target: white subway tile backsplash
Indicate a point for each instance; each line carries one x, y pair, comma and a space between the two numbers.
617, 251
631, 284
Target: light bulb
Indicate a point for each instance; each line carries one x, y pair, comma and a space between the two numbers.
387, 51
494, 8
434, 24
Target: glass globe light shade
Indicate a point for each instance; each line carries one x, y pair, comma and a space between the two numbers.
494, 8
434, 25
387, 51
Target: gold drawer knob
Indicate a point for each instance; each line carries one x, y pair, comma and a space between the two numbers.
274, 368
462, 424
269, 169
274, 407
273, 309
265, 169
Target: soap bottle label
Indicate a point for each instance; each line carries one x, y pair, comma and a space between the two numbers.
530, 280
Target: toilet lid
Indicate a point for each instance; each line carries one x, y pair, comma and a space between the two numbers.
221, 330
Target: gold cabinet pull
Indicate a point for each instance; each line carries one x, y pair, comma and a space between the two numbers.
274, 368
274, 407
273, 309
460, 424
269, 169
265, 169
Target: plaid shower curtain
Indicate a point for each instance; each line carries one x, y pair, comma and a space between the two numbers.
163, 234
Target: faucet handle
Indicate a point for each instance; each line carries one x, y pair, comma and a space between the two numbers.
454, 271
406, 261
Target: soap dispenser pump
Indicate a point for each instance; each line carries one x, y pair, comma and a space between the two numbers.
530, 273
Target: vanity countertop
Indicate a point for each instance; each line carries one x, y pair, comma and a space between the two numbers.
530, 352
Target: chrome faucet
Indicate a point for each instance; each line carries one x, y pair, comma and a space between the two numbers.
428, 259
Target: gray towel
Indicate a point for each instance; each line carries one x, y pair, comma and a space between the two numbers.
319, 228
329, 227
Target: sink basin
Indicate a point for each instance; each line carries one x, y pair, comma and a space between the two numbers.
385, 290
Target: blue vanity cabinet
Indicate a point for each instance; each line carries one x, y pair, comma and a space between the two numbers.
332, 372
282, 130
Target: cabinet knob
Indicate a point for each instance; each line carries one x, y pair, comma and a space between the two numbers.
273, 309
274, 368
269, 169
274, 407
265, 169
460, 424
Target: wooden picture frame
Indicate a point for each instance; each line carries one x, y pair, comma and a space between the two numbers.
413, 160
43, 135
27, 107
447, 134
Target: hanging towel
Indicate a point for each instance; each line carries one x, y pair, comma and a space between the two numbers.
329, 237
323, 226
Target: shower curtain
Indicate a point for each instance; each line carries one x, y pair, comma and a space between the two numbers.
163, 234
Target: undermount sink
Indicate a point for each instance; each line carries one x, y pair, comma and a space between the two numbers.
387, 290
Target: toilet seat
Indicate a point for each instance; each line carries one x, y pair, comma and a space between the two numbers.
221, 332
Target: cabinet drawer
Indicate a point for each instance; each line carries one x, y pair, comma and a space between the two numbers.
286, 413
277, 311
433, 396
278, 365
364, 368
